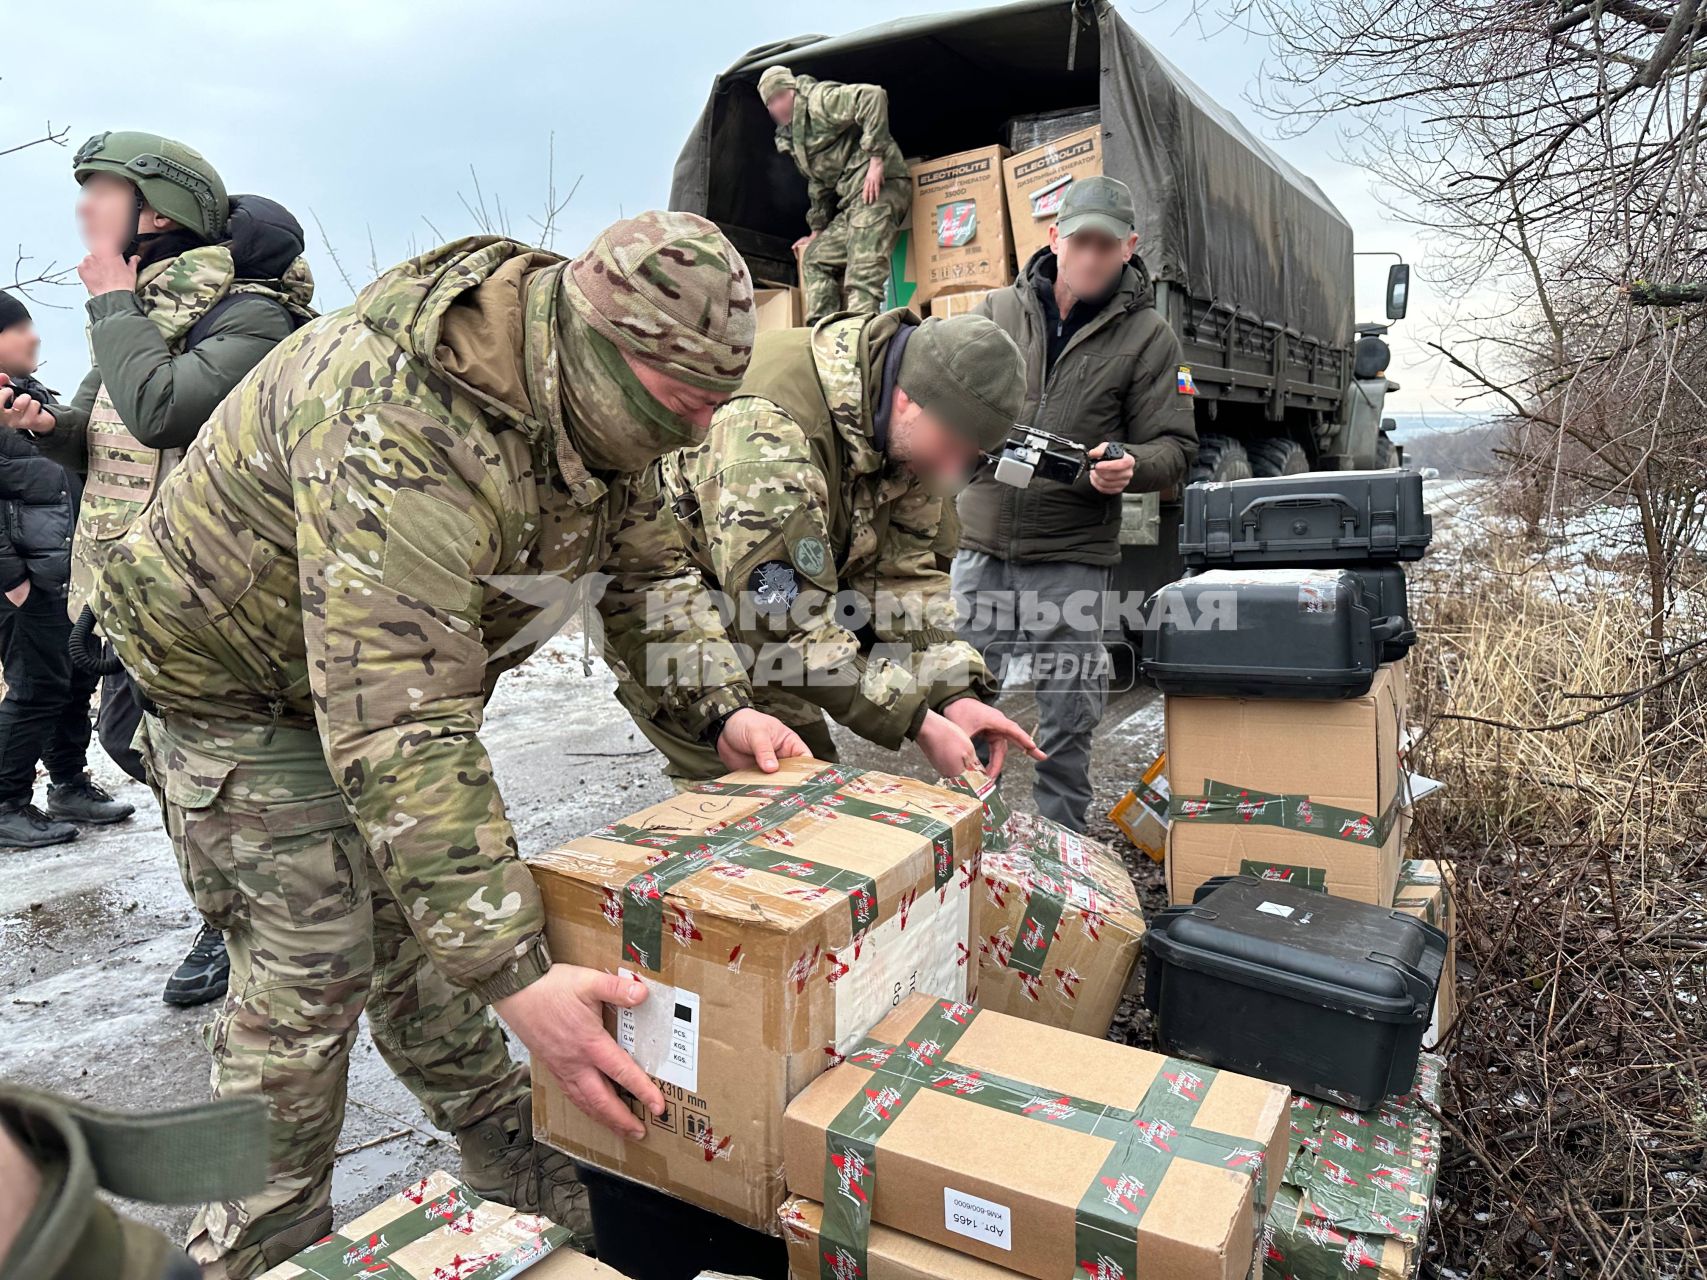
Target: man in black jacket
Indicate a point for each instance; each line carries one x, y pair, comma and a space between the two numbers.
1101, 366
45, 713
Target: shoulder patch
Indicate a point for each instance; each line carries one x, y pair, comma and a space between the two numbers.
809, 555
773, 586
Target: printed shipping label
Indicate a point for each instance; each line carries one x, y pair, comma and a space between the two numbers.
891, 962
662, 1034
977, 1219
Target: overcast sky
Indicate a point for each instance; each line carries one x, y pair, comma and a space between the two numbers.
367, 114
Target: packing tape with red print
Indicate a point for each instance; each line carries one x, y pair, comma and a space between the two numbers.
678, 858
1146, 1140
1225, 802
1054, 881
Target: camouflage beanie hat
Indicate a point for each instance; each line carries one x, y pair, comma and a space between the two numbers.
967, 372
671, 290
773, 80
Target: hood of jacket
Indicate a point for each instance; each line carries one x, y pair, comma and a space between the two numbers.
849, 352
264, 238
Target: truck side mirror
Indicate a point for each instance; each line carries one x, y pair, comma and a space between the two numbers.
1398, 290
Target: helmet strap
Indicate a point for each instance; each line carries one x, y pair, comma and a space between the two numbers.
134, 246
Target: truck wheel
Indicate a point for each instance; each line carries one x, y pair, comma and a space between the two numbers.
1386, 452
1219, 458
1278, 456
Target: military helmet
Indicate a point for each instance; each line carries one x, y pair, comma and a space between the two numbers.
176, 180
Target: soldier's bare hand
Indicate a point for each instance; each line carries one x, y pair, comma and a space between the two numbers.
804, 241
106, 271
751, 738
18, 594
976, 719
873, 180
22, 413
1110, 477
947, 746
560, 1018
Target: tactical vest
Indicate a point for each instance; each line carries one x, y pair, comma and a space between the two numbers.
123, 473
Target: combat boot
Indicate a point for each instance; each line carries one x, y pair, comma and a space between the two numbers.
23, 826
502, 1162
84, 800
204, 974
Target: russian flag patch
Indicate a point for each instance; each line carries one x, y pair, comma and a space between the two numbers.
1186, 386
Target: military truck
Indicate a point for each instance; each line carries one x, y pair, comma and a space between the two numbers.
1252, 264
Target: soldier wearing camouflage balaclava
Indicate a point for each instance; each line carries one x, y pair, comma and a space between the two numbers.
316, 605
856, 182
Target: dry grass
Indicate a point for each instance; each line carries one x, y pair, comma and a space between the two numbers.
1576, 813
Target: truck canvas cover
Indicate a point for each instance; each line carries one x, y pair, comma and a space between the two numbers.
1220, 215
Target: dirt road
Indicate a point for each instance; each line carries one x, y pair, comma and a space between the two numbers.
89, 930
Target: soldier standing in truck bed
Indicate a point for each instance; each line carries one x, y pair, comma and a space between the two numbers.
838, 137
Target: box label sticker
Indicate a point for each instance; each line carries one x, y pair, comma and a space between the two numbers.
922, 946
976, 1218
1275, 909
662, 1033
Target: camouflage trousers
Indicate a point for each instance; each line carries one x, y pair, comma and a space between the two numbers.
846, 267
267, 849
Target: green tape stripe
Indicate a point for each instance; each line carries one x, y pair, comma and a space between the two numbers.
1051, 886
938, 832
1291, 873
850, 1144
1147, 1139
340, 1256
769, 788
1223, 803
643, 895
1044, 906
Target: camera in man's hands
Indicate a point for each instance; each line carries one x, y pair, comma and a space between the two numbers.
1030, 453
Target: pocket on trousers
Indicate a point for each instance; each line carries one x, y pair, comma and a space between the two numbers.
314, 856
201, 830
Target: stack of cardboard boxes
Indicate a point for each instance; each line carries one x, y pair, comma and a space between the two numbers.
979, 215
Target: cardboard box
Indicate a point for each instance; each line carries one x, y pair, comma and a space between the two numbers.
774, 918
1058, 923
1034, 1148
1305, 791
960, 224
1038, 179
1356, 1189
1425, 891
1142, 813
777, 308
889, 1255
440, 1230
959, 303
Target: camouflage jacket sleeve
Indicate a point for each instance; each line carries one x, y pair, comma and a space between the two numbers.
395, 530
915, 602
163, 398
864, 105
660, 620
68, 442
765, 533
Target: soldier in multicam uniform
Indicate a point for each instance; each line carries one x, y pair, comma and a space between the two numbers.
812, 504
188, 289
838, 137
315, 606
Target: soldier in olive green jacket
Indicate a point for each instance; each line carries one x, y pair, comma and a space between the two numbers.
188, 289
814, 505
857, 183
318, 605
